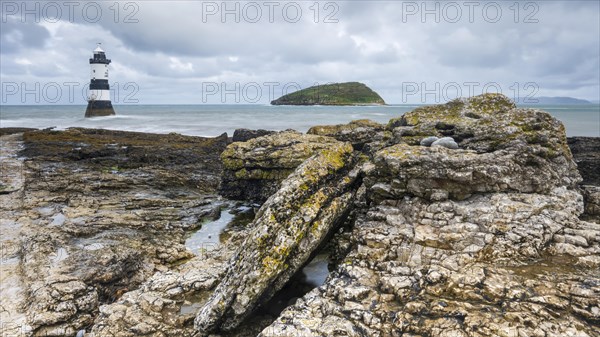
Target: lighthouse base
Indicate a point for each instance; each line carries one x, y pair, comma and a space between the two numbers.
99, 109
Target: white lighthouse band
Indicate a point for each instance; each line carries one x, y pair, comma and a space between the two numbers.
99, 71
99, 103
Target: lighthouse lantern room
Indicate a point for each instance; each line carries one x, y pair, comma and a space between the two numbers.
99, 103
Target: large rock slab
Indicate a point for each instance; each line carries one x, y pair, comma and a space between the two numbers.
437, 172
254, 170
486, 266
494, 264
485, 240
288, 228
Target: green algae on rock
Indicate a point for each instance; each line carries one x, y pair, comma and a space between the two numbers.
254, 170
483, 123
358, 132
349, 93
287, 229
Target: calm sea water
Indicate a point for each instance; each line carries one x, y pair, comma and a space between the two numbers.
213, 120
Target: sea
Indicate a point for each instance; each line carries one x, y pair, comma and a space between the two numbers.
213, 120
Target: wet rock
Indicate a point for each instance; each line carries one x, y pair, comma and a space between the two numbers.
446, 142
166, 303
92, 214
11, 131
586, 153
358, 132
591, 197
243, 135
254, 170
288, 228
181, 159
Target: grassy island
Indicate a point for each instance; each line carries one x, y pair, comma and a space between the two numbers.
350, 93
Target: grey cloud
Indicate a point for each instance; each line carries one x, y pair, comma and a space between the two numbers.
16, 35
172, 52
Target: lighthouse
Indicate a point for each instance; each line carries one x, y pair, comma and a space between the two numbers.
99, 96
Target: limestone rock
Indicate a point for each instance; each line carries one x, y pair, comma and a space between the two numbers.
490, 239
483, 123
254, 170
290, 225
358, 132
90, 215
591, 196
485, 240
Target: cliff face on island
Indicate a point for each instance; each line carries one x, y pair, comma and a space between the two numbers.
350, 93
480, 231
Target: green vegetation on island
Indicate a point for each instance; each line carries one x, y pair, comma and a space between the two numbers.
350, 93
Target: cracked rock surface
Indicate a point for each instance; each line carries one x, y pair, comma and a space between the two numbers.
482, 241
497, 237
88, 215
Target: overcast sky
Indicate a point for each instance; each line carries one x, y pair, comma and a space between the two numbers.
192, 52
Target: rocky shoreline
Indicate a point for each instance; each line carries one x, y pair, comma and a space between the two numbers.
498, 236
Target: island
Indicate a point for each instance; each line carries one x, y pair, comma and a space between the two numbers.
349, 93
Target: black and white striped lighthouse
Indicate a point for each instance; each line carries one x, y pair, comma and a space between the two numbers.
99, 96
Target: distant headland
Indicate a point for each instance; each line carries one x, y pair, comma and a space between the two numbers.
543, 100
349, 93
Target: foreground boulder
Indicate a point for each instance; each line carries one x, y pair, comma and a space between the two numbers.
288, 228
481, 240
497, 264
254, 170
484, 240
